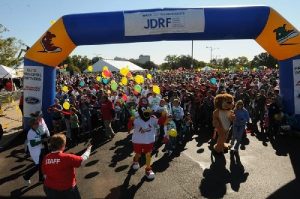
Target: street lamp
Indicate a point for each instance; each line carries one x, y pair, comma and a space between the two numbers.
211, 50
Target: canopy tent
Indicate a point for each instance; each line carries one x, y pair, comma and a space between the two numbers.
6, 72
207, 68
114, 65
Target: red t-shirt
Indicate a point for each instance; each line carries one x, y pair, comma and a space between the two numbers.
106, 110
59, 169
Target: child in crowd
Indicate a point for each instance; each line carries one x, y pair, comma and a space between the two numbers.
170, 135
239, 124
178, 114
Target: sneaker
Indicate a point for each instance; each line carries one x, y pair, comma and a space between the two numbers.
27, 182
150, 174
135, 166
283, 35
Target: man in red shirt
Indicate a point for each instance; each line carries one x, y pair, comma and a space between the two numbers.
107, 111
59, 170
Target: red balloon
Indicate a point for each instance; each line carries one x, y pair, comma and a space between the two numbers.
124, 97
135, 93
107, 73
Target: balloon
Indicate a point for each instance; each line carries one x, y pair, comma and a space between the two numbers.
81, 83
106, 73
135, 93
139, 79
129, 74
104, 68
172, 133
213, 81
66, 105
105, 81
98, 78
65, 89
124, 71
124, 97
149, 76
137, 88
114, 86
156, 89
124, 81
90, 68
52, 22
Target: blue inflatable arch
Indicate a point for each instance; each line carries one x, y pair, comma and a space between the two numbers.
275, 34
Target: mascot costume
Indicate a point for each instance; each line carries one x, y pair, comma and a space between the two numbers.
222, 119
143, 136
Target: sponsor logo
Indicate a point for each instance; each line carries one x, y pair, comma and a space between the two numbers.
32, 100
158, 23
48, 45
283, 34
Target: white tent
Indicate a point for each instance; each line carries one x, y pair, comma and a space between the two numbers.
114, 65
207, 68
6, 72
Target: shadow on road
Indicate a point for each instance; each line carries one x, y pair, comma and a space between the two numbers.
17, 193
288, 146
213, 184
123, 150
125, 190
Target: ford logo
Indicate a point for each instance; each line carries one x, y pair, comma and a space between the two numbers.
32, 100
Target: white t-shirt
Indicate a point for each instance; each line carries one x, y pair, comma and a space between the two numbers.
144, 132
177, 112
154, 101
34, 151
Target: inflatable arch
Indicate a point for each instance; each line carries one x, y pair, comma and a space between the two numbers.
274, 33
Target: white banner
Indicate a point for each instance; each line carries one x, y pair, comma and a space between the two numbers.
162, 22
296, 69
33, 89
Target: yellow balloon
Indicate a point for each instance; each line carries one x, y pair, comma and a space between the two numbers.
149, 76
65, 89
124, 71
98, 78
52, 22
90, 68
124, 81
172, 133
104, 68
139, 79
66, 105
156, 89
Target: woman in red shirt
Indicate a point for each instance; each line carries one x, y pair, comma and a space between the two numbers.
59, 169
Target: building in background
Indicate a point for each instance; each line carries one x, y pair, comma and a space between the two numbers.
143, 59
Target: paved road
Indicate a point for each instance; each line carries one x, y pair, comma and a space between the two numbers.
264, 170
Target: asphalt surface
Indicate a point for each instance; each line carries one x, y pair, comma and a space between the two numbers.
263, 169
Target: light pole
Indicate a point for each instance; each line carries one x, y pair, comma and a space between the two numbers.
211, 51
192, 65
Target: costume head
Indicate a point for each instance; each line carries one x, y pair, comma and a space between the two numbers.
224, 102
144, 109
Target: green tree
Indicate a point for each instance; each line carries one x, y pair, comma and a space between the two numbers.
226, 62
264, 59
243, 61
8, 48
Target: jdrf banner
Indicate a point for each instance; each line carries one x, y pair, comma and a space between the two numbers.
33, 89
162, 22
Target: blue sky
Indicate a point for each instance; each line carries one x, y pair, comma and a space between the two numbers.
29, 19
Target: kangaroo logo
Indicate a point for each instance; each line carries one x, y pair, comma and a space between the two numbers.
283, 35
47, 44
